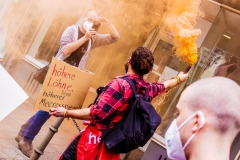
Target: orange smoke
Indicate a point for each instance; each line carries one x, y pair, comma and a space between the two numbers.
180, 19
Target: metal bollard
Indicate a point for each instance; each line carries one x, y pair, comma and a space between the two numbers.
38, 151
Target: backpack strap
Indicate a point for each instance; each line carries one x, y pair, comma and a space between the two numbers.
134, 88
99, 91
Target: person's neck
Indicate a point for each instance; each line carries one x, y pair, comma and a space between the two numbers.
131, 71
209, 147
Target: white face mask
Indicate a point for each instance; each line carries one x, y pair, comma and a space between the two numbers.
87, 25
175, 150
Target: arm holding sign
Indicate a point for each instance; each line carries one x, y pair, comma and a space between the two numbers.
82, 114
101, 109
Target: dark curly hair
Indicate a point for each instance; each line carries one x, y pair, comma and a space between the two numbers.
142, 60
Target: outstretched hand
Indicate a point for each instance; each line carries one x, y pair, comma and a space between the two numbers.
57, 112
183, 76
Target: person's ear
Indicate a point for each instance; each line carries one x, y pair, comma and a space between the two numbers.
129, 59
198, 122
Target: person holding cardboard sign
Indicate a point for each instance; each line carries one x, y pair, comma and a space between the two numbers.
75, 45
113, 104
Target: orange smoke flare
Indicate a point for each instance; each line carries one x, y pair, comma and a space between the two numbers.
180, 19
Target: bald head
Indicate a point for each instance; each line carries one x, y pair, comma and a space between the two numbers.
91, 13
219, 97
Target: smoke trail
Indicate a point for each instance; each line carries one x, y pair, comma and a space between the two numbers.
180, 19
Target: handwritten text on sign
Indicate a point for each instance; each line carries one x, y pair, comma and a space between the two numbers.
65, 86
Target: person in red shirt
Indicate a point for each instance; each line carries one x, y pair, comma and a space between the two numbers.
116, 95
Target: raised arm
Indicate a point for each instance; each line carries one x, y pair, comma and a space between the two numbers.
181, 77
105, 39
112, 30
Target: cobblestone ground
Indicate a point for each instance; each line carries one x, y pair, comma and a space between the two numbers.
10, 126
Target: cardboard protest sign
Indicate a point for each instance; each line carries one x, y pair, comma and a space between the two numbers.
12, 95
65, 86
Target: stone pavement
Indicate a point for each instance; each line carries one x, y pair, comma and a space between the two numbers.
11, 125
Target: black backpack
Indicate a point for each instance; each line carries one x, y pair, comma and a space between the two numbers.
136, 127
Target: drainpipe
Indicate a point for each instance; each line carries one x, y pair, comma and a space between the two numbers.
225, 7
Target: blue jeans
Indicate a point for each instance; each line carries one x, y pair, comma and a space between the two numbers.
32, 127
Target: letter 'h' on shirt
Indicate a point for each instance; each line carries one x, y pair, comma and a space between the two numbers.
95, 139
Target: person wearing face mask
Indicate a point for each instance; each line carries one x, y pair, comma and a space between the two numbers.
85, 38
207, 121
75, 45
